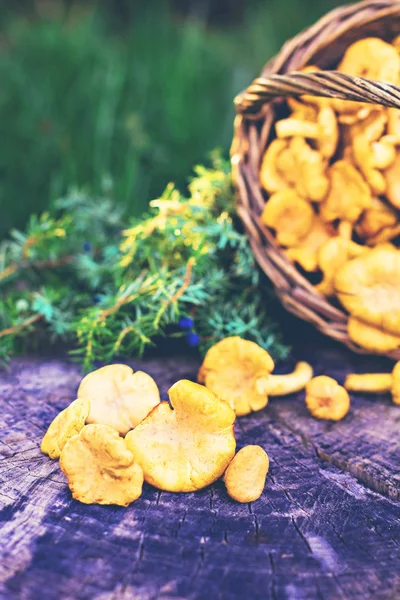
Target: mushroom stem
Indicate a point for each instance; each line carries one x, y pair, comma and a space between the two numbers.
281, 385
369, 382
345, 230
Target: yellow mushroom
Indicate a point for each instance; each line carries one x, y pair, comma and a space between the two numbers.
289, 215
188, 446
301, 110
369, 288
371, 58
271, 179
305, 253
100, 468
332, 255
393, 123
292, 126
328, 131
304, 168
67, 423
246, 474
348, 195
375, 219
119, 397
383, 153
376, 383
326, 399
385, 235
371, 338
236, 370
290, 383
393, 182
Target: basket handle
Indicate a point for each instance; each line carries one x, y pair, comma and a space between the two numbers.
328, 84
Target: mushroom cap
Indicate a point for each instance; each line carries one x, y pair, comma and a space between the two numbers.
326, 399
371, 338
328, 136
67, 423
332, 255
372, 58
119, 397
290, 215
369, 288
305, 253
375, 219
305, 169
188, 446
270, 178
100, 468
245, 476
235, 370
348, 195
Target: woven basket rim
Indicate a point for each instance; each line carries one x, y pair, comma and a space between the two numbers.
252, 130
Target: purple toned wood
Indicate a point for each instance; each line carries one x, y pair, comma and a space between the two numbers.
327, 525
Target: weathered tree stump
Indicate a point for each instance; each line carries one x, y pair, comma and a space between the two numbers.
326, 526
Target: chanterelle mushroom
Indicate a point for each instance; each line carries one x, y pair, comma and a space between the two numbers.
100, 468
332, 255
119, 397
245, 477
369, 288
236, 370
67, 423
290, 216
282, 385
270, 178
305, 253
326, 399
371, 338
376, 383
185, 448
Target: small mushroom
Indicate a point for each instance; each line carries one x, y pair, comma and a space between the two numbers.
305, 253
328, 132
376, 383
304, 168
291, 127
236, 370
246, 474
348, 195
100, 468
119, 397
67, 423
393, 123
301, 110
271, 179
371, 338
326, 399
369, 288
188, 446
383, 153
385, 235
290, 215
290, 383
332, 255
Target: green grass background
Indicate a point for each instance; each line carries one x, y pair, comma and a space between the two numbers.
86, 100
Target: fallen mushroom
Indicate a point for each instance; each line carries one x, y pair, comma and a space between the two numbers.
371, 338
100, 468
67, 423
246, 474
119, 397
305, 253
289, 215
188, 446
326, 399
376, 383
236, 370
290, 383
271, 179
369, 288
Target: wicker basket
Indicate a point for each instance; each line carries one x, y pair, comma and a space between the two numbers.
322, 45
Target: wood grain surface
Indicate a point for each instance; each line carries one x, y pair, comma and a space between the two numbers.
326, 526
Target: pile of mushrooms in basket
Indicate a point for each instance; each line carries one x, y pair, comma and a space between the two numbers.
331, 178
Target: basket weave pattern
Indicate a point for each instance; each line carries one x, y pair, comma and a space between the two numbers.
323, 44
